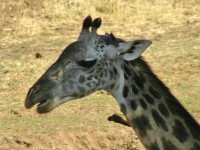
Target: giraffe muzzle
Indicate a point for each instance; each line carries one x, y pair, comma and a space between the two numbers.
34, 97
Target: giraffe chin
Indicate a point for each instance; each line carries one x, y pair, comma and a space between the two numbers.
46, 106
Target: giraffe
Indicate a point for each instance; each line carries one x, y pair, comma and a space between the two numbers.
103, 62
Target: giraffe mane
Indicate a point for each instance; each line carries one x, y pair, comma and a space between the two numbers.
173, 104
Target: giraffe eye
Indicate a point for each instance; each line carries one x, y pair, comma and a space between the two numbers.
87, 64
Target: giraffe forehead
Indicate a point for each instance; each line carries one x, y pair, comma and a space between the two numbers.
96, 48
74, 50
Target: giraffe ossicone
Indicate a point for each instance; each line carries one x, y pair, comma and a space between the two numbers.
105, 62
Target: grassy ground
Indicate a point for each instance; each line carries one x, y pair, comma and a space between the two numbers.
47, 27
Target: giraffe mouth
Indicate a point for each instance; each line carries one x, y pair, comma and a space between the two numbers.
44, 106
42, 103
48, 105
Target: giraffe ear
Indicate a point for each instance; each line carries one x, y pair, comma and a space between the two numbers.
133, 49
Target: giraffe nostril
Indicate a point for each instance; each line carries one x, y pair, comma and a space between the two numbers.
28, 103
29, 98
32, 90
37, 87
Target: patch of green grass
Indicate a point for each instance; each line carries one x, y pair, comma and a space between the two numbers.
68, 116
192, 103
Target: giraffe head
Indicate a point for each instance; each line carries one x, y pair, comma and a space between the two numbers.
86, 65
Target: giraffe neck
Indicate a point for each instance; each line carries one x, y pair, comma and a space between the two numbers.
158, 119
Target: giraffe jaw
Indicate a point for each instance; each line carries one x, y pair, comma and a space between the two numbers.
45, 102
46, 106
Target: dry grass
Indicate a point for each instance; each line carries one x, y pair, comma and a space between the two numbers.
47, 26
30, 18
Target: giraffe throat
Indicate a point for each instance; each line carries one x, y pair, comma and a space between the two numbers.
160, 121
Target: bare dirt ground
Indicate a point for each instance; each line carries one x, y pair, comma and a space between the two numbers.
76, 139
47, 27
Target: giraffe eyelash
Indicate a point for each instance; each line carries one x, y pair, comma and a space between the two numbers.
87, 64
